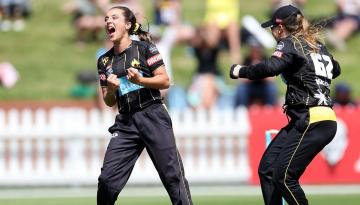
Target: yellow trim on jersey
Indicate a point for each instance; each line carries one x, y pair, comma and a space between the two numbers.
321, 113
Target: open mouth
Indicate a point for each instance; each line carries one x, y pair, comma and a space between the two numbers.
111, 30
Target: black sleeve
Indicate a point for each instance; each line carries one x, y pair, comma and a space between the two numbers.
336, 68
101, 71
268, 68
153, 57
280, 60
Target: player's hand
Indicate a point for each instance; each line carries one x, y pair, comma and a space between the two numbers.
113, 83
133, 75
234, 71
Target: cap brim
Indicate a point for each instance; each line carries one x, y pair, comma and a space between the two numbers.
267, 24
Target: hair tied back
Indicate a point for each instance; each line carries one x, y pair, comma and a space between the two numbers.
136, 28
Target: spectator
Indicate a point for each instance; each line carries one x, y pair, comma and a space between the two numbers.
275, 4
345, 24
168, 31
222, 21
87, 19
8, 75
167, 12
85, 86
167, 39
13, 13
204, 90
262, 92
134, 5
343, 95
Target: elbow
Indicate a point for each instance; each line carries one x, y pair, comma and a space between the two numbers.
109, 103
166, 83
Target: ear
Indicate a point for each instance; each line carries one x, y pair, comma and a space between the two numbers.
280, 29
127, 25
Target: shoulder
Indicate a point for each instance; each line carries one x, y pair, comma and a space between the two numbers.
104, 58
147, 46
286, 44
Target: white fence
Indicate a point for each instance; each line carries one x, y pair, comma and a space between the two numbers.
65, 146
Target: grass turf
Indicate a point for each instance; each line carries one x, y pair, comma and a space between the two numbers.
198, 200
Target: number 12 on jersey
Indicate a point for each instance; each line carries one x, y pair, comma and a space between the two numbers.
320, 68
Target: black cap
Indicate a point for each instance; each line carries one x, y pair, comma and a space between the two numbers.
280, 15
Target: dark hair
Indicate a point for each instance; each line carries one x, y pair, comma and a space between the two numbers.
303, 31
136, 28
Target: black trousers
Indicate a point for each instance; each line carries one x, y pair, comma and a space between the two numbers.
291, 151
150, 128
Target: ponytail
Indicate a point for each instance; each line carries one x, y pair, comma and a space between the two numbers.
136, 29
303, 32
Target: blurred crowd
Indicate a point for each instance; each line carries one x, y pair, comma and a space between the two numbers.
219, 32
13, 14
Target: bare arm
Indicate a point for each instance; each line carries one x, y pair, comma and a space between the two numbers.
110, 91
160, 80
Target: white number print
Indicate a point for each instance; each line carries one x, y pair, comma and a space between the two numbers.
320, 68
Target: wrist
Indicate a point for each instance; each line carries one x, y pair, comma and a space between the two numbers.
234, 71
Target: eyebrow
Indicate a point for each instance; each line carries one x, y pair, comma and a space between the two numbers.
114, 15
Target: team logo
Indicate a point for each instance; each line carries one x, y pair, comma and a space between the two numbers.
156, 58
105, 60
280, 46
135, 63
277, 54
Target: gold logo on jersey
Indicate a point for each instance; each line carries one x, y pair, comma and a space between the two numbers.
105, 60
135, 63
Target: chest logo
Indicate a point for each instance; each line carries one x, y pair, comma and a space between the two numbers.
135, 63
105, 60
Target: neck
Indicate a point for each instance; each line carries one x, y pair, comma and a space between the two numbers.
121, 45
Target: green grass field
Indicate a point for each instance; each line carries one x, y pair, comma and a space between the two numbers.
198, 200
48, 59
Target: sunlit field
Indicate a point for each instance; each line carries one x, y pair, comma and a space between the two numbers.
198, 200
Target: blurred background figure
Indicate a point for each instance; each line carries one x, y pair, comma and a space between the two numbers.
134, 5
345, 24
204, 89
222, 22
168, 31
259, 92
275, 4
343, 95
167, 12
86, 85
13, 14
8, 75
87, 19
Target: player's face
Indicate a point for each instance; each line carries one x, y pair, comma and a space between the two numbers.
115, 25
275, 32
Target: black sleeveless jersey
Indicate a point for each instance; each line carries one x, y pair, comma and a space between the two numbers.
307, 74
141, 55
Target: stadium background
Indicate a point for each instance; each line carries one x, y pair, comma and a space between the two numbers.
48, 61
